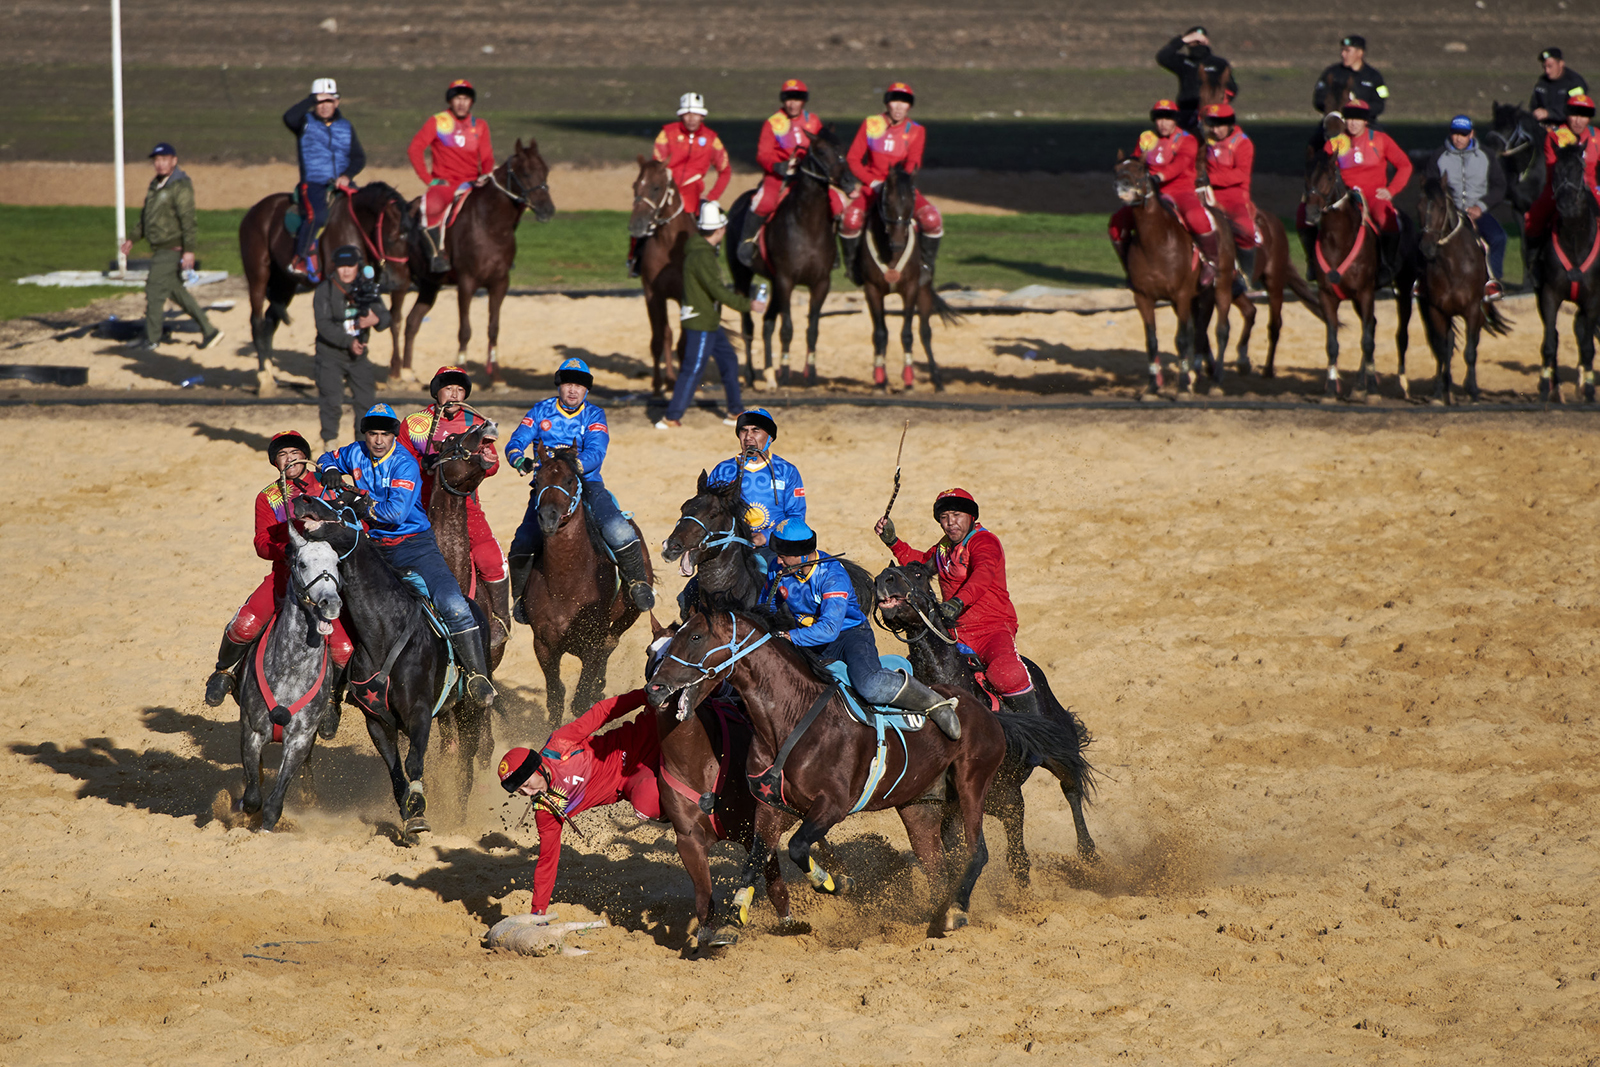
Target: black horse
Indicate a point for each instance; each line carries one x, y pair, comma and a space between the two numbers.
400, 666
908, 608
1570, 257
1454, 270
800, 250
1516, 144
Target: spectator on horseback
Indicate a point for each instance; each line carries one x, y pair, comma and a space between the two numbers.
1351, 78
691, 149
1558, 84
769, 485
388, 500
330, 154
421, 434
972, 584
291, 454
568, 419
344, 320
831, 625
168, 223
1477, 186
1365, 156
1230, 158
458, 141
785, 139
1536, 224
575, 770
883, 141
704, 293
1189, 56
1170, 153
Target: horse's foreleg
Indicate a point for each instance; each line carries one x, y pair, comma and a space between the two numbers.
1549, 377
466, 289
1152, 347
747, 331
1224, 302
819, 295
1274, 324
1469, 354
908, 373
880, 335
591, 678
250, 745
1367, 380
693, 851
1247, 324
1185, 343
1583, 329
769, 323
296, 747
398, 328
1330, 317
555, 691
926, 310
813, 829
782, 296
1005, 803
1436, 328
491, 363
1402, 331
419, 311
387, 741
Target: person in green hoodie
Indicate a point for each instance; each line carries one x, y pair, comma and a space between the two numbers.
703, 338
167, 222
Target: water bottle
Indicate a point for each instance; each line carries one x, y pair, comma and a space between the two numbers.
190, 383
190, 277
761, 293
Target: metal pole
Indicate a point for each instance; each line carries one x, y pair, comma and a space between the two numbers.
116, 120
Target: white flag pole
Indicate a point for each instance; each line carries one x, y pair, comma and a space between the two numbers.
116, 113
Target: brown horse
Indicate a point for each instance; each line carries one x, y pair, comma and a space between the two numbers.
1454, 272
889, 260
1274, 270
374, 218
660, 228
1163, 263
573, 598
1568, 268
481, 245
457, 470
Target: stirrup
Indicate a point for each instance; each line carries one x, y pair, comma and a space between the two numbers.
944, 716
218, 687
643, 597
475, 691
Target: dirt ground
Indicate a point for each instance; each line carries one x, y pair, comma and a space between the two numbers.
1338, 669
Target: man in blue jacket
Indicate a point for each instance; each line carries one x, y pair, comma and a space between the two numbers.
769, 485
568, 419
397, 523
819, 595
330, 154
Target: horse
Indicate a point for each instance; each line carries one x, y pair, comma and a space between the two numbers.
889, 260
1454, 272
799, 250
1274, 270
1346, 257
705, 804
809, 757
458, 470
1574, 245
574, 598
399, 673
1516, 144
661, 228
286, 687
908, 609
1163, 263
374, 218
481, 244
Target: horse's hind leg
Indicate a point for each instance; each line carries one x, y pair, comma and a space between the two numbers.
250, 745
1247, 316
924, 826
491, 361
1072, 789
1005, 803
1152, 347
925, 310
1274, 325
908, 373
1583, 328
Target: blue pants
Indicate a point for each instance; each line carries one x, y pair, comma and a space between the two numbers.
698, 347
1490, 230
616, 529
859, 651
314, 206
420, 552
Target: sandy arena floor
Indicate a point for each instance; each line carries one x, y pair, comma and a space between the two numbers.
1339, 670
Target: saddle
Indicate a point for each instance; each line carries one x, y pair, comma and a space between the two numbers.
371, 694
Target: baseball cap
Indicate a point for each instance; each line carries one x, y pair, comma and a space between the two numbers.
163, 149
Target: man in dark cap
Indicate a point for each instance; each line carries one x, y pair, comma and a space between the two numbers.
343, 326
167, 222
1558, 84
1351, 77
1198, 69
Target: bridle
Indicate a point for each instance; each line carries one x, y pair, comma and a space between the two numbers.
911, 597
573, 498
738, 649
717, 538
523, 195
303, 593
1143, 188
1450, 211
668, 196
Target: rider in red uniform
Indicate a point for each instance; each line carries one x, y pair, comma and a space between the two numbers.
1365, 156
1230, 157
881, 142
462, 157
785, 138
1170, 154
291, 454
421, 433
690, 149
972, 583
576, 771
1576, 130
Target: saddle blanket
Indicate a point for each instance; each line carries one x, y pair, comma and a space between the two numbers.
894, 716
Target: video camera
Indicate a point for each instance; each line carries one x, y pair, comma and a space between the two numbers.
364, 294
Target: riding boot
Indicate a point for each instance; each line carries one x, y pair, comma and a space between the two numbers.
330, 722
520, 566
1531, 277
500, 606
1024, 703
1388, 257
747, 239
930, 255
222, 680
850, 248
630, 561
1208, 258
439, 263
918, 698
469, 654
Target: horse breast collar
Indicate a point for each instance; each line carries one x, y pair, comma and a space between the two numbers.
1575, 275
1333, 275
280, 715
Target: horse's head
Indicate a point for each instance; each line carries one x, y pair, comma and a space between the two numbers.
905, 596
830, 161
655, 198
708, 522
655, 654
322, 522
461, 463
1132, 179
897, 203
557, 488
528, 178
314, 580
699, 657
1572, 196
1325, 186
390, 226
1437, 214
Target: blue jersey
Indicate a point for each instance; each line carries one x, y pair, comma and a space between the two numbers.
394, 483
548, 423
822, 600
770, 487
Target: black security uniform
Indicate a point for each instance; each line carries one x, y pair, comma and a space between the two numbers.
1367, 84
1188, 61
1552, 95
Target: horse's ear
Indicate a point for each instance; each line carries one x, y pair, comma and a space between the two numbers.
642, 158
519, 146
701, 486
1121, 155
657, 631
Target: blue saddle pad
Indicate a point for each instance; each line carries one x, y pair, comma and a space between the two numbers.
965, 649
894, 716
420, 589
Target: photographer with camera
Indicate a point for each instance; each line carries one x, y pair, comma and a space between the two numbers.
347, 305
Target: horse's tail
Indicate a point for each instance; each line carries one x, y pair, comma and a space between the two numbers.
947, 314
1037, 739
1495, 321
1302, 289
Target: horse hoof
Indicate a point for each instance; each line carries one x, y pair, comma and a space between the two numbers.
418, 825
789, 926
769, 380
1244, 367
721, 937
266, 384
956, 920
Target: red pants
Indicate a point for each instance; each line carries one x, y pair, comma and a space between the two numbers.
692, 193
436, 201
855, 215
252, 618
1193, 213
997, 651
487, 559
1121, 223
767, 197
1242, 213
1536, 222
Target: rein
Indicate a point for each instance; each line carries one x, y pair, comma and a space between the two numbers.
935, 630
655, 206
1333, 274
376, 249
524, 199
738, 649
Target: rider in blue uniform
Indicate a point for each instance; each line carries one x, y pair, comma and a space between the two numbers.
819, 595
569, 419
397, 523
769, 485
330, 153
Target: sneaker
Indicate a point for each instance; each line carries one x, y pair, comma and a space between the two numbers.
140, 345
730, 419
330, 446
211, 341
1492, 291
669, 424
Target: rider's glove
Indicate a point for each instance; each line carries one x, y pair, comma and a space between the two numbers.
330, 477
951, 609
525, 465
430, 460
780, 169
886, 535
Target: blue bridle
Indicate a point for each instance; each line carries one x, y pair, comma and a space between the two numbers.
733, 645
574, 499
718, 538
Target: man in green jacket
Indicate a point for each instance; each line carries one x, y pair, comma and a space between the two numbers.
703, 338
167, 222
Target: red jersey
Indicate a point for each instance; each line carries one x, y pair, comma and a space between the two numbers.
1172, 159
272, 515
879, 146
690, 155
460, 147
784, 139
974, 571
1364, 162
1561, 137
1229, 162
414, 436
